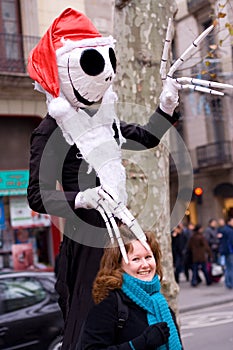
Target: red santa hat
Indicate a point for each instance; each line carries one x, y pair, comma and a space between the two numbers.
71, 25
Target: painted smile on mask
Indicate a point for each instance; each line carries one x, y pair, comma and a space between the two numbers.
93, 64
76, 93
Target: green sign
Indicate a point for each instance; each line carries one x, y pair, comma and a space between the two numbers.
13, 182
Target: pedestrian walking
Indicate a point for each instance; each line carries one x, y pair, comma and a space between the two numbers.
179, 245
211, 235
221, 224
188, 231
226, 249
201, 252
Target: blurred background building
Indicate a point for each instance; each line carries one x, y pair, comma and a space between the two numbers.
22, 23
206, 121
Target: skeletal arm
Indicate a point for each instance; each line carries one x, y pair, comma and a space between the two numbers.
169, 96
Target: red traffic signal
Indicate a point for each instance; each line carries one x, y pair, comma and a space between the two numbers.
198, 191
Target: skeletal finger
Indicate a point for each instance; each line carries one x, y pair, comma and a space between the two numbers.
189, 51
109, 198
116, 230
127, 218
109, 191
111, 223
107, 223
210, 84
138, 232
120, 241
202, 89
166, 48
96, 201
120, 211
121, 245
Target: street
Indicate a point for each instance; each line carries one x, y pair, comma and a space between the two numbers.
208, 328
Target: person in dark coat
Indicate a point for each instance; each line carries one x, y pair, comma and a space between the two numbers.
201, 252
188, 231
151, 324
211, 235
179, 244
226, 249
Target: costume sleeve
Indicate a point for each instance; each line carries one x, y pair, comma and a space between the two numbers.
45, 170
100, 330
149, 135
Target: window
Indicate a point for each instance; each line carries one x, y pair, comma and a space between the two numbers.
20, 292
10, 37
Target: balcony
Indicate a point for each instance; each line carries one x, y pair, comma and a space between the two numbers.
14, 50
214, 154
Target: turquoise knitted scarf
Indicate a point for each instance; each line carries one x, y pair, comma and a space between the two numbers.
147, 295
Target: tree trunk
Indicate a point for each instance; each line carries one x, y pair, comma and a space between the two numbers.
140, 28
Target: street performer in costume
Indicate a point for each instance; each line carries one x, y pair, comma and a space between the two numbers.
78, 146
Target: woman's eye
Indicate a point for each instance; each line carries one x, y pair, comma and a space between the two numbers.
148, 256
135, 259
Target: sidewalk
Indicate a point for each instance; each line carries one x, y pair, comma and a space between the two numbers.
194, 298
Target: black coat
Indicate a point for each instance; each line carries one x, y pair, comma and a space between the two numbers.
101, 328
54, 160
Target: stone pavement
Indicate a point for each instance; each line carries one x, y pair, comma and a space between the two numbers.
194, 298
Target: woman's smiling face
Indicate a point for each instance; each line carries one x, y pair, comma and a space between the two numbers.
142, 264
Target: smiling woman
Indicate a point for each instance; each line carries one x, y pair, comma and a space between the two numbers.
150, 322
141, 263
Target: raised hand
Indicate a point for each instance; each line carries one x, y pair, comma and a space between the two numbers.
171, 86
110, 207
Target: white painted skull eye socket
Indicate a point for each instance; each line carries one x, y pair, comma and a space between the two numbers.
92, 62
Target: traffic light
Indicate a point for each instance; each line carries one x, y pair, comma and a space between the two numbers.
198, 192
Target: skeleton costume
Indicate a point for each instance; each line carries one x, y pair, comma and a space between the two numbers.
80, 148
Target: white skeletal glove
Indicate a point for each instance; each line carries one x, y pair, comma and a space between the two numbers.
109, 206
169, 98
87, 198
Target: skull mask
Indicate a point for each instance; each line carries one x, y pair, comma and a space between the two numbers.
85, 73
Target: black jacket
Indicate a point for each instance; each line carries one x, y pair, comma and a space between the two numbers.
54, 161
101, 328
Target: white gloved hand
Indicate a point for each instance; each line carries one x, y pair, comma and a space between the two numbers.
169, 97
87, 199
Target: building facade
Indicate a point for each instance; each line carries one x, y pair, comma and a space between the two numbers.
22, 23
206, 120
